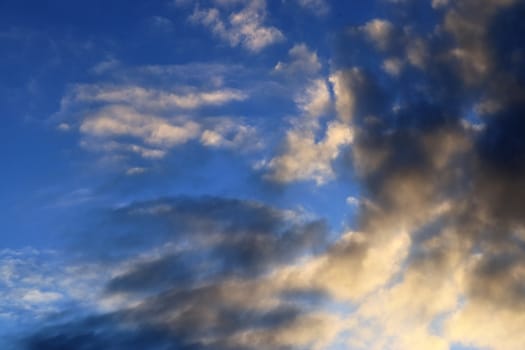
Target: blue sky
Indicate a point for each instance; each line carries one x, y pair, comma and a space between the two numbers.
259, 174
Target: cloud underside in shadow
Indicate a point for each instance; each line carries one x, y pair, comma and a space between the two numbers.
194, 283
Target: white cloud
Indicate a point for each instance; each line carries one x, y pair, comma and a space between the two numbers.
153, 99
136, 171
353, 201
392, 66
302, 60
109, 146
36, 296
34, 283
105, 66
245, 27
379, 32
159, 134
344, 96
63, 127
225, 132
306, 159
487, 326
403, 313
305, 156
154, 119
315, 101
120, 120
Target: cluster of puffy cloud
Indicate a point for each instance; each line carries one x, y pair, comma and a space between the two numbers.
439, 254
243, 27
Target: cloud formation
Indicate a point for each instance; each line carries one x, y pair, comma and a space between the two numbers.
308, 151
302, 61
244, 27
140, 118
426, 117
188, 286
153, 99
451, 185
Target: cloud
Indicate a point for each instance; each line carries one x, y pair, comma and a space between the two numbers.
105, 66
157, 133
306, 159
36, 284
116, 120
161, 23
437, 256
471, 326
351, 200
36, 296
439, 3
302, 60
319, 7
315, 101
245, 27
304, 154
395, 44
314, 330
136, 171
149, 115
152, 99
355, 93
187, 286
452, 188
116, 148
392, 66
63, 127
379, 32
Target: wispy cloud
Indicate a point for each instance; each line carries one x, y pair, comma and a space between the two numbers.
319, 7
153, 99
136, 118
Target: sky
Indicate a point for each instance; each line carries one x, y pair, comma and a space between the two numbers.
262, 174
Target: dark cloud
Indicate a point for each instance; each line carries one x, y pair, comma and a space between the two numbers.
173, 320
103, 332
194, 276
212, 222
219, 237
417, 145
